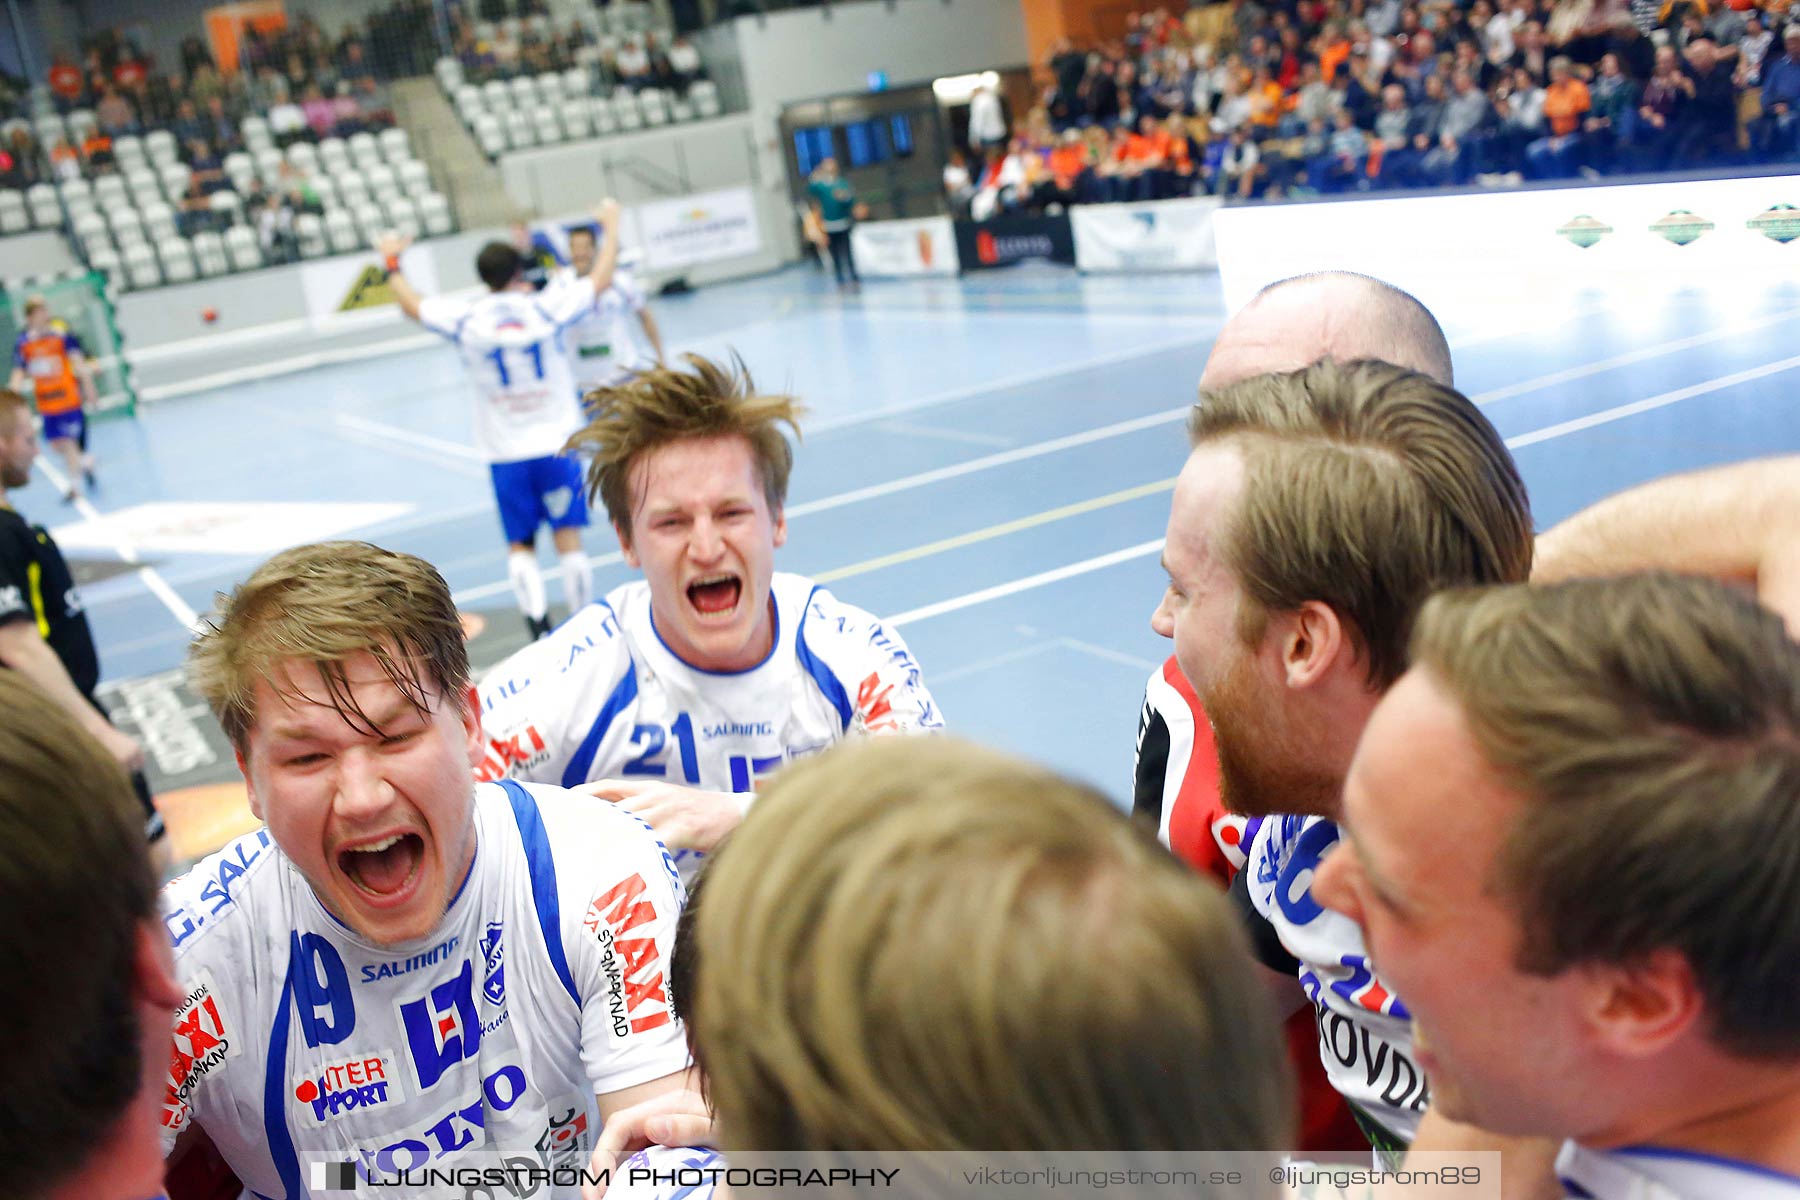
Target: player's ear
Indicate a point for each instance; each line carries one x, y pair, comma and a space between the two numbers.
624, 533
780, 527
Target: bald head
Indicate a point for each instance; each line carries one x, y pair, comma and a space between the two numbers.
1333, 314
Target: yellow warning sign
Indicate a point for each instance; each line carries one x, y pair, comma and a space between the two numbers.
370, 290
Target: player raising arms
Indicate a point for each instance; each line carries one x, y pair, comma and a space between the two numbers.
52, 361
681, 690
511, 340
604, 348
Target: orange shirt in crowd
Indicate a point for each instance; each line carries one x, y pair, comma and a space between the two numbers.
1141, 149
1067, 163
1564, 103
1265, 104
1331, 58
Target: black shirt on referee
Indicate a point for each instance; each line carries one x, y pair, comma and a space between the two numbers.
35, 585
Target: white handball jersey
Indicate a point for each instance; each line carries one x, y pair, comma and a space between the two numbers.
1365, 1032
1656, 1173
512, 343
543, 985
604, 698
604, 345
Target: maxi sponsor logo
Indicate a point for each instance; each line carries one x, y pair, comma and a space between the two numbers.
516, 751
202, 1043
636, 998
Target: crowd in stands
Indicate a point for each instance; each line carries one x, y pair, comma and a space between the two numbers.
489, 49
1264, 98
307, 84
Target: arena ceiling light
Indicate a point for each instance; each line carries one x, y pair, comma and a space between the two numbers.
956, 89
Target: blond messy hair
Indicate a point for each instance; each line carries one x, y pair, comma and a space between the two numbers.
918, 944
668, 405
320, 605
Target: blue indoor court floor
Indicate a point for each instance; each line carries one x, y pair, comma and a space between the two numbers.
987, 463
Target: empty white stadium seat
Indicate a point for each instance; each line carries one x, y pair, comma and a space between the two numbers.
703, 94
326, 189
403, 216
177, 260
654, 103
105, 259
680, 110
240, 168
45, 211
160, 144
159, 224
47, 129
340, 231
545, 126
256, 129
523, 93
575, 119
128, 152
88, 223
396, 147
449, 73
365, 151
174, 179
370, 221
109, 191
15, 214
333, 154
497, 97
241, 245
575, 83
81, 122
209, 253
305, 157
600, 110
141, 270
309, 229
490, 135
548, 87
229, 203
434, 214
125, 224
519, 130
414, 177
268, 165
626, 111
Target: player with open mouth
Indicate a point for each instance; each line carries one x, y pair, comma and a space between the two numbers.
676, 694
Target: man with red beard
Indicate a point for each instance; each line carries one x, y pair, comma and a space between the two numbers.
1288, 325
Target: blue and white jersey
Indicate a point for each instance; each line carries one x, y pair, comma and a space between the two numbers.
512, 344
1653, 1173
668, 1173
542, 987
604, 698
1365, 1032
604, 346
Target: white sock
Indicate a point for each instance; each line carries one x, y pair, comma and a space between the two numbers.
578, 580
527, 583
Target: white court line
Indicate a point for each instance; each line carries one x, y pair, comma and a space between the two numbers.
961, 437
1619, 413
287, 366
914, 615
1634, 356
1548, 433
159, 587
409, 437
1018, 379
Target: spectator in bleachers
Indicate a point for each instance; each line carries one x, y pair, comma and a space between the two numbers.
1609, 121
187, 125
1774, 134
97, 152
287, 121
209, 172
115, 114
1566, 105
321, 116
684, 61
346, 112
1660, 110
67, 83
195, 213
195, 55
1462, 134
632, 64
1709, 124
